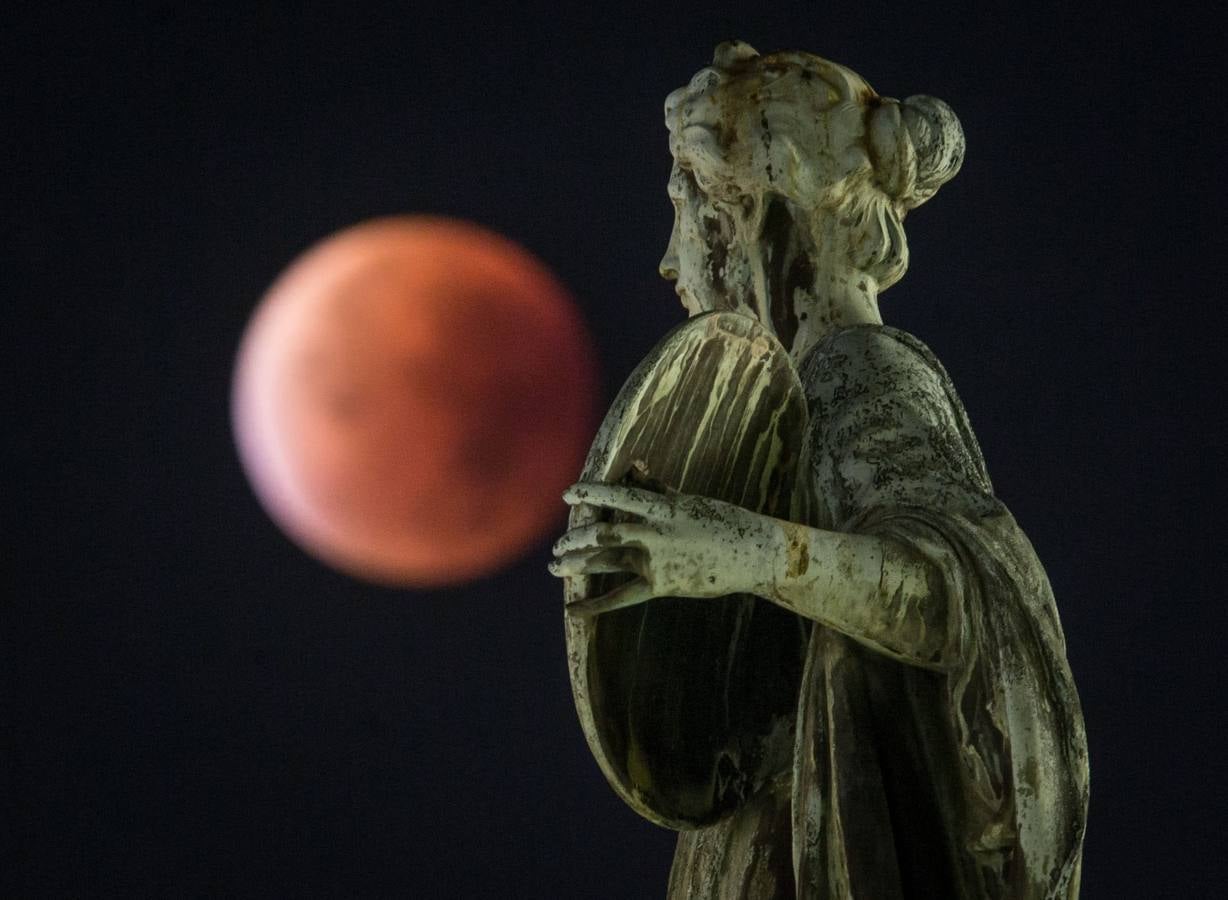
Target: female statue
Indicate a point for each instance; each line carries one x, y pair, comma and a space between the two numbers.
939, 748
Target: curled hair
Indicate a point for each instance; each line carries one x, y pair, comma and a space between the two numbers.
914, 147
799, 126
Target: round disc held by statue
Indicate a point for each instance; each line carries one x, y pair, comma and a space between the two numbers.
715, 410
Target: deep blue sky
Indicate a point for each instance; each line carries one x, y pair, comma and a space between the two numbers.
192, 706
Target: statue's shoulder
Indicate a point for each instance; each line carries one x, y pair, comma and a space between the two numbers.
868, 374
860, 354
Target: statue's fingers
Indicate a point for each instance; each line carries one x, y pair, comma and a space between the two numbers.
639, 476
632, 593
624, 498
602, 535
595, 562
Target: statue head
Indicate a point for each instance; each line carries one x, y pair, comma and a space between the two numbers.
788, 168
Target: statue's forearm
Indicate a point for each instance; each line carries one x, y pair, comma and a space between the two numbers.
871, 589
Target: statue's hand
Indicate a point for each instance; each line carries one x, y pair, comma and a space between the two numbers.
683, 546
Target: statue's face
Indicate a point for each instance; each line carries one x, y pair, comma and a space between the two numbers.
703, 258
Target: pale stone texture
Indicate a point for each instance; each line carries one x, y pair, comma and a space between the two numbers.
868, 694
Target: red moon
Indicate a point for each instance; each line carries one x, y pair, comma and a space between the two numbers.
411, 397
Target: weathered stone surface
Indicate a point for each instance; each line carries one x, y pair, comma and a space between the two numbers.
937, 741
715, 410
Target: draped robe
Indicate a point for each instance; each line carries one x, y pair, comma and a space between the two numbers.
959, 772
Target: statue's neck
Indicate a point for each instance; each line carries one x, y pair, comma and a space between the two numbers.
837, 300
799, 282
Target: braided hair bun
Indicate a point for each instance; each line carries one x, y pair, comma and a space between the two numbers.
916, 147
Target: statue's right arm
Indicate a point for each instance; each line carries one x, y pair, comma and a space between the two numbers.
891, 444
871, 589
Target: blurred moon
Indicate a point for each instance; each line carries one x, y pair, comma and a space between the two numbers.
410, 399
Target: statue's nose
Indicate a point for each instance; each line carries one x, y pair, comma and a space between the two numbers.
668, 266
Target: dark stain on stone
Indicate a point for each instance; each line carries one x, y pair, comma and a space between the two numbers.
784, 266
767, 143
718, 252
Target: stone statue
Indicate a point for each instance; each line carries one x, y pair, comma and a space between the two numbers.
903, 722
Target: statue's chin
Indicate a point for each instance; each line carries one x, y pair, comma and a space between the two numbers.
692, 306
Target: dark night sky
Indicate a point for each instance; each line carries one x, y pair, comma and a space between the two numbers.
192, 706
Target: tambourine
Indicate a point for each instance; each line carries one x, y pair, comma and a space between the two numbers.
688, 705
